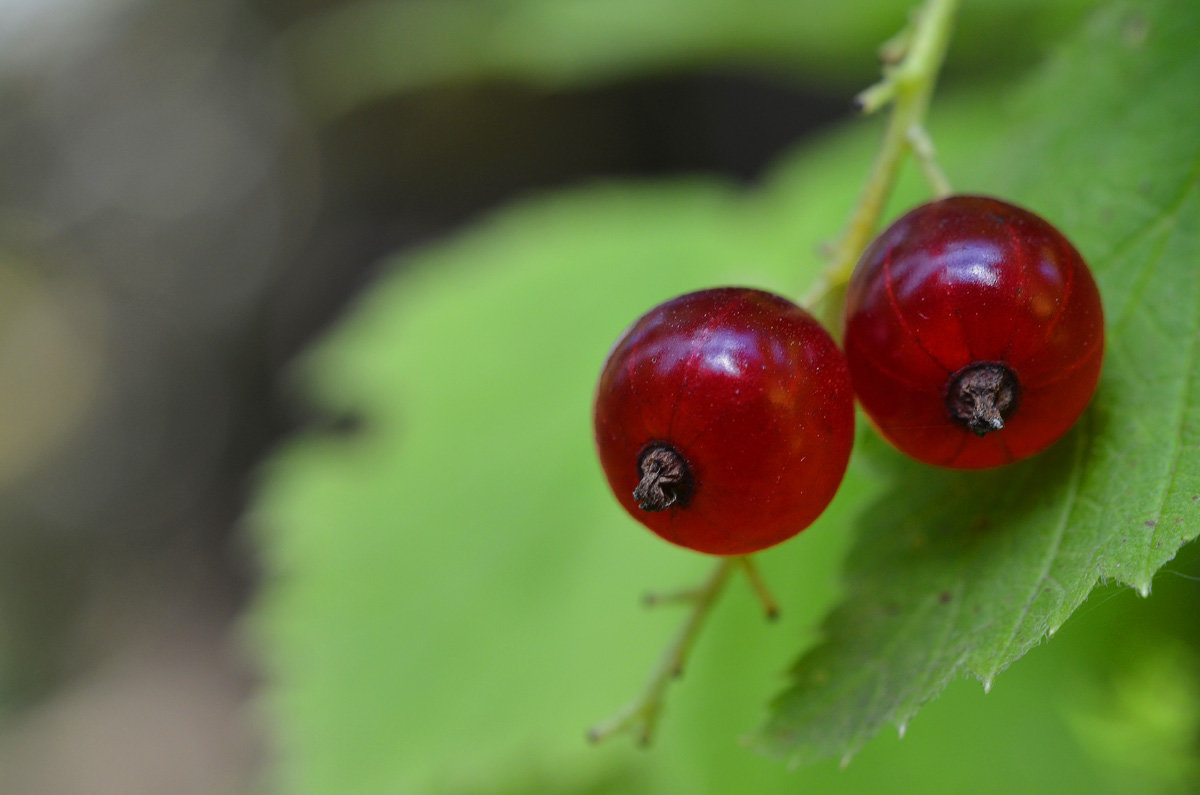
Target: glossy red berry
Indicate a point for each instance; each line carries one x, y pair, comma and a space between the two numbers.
974, 333
724, 420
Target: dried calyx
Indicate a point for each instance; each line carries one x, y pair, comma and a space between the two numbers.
666, 479
982, 396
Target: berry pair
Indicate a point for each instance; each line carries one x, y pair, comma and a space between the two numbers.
974, 334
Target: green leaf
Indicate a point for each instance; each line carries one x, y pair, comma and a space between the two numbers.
456, 576
453, 594
957, 572
362, 51
450, 595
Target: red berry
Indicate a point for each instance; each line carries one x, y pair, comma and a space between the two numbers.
974, 333
724, 420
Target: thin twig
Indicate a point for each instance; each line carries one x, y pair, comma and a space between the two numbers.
770, 606
922, 148
655, 598
908, 85
644, 710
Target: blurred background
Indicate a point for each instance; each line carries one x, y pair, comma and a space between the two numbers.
191, 191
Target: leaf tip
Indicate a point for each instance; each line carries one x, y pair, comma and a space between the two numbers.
1143, 589
846, 757
987, 685
901, 728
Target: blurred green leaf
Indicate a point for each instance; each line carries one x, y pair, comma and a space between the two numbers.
1144, 721
451, 593
966, 572
372, 48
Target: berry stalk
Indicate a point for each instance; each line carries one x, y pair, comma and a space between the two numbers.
912, 61
911, 64
644, 710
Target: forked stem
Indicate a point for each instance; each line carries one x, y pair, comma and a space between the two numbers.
908, 86
642, 713
911, 63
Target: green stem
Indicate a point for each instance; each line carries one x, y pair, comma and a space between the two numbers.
644, 710
908, 85
673, 597
770, 606
922, 149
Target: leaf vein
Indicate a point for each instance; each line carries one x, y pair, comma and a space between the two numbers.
1052, 552
1165, 224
